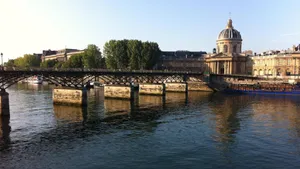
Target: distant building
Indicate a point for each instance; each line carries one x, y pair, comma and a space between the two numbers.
181, 60
275, 64
60, 55
38, 55
248, 52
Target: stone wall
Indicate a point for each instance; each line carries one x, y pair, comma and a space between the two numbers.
176, 87
67, 96
152, 89
121, 92
199, 86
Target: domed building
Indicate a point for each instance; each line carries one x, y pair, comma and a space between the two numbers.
227, 58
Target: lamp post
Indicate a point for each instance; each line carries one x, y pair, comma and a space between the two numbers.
1, 59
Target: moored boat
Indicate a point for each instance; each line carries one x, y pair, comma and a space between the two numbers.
35, 80
264, 88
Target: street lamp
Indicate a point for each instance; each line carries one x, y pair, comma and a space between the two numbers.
1, 59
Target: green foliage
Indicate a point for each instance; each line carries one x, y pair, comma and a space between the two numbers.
10, 63
75, 61
92, 57
48, 63
135, 48
27, 61
131, 54
110, 57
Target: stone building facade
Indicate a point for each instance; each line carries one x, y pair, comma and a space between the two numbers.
282, 64
60, 55
182, 60
228, 58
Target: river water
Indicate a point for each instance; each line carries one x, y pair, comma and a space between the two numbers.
200, 130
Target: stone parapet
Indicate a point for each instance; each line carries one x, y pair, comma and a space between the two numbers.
68, 96
118, 91
152, 89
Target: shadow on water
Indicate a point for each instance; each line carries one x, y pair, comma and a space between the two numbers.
5, 130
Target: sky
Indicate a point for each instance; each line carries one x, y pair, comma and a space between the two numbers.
30, 26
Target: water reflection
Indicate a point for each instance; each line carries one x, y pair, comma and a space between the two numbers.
32, 87
5, 130
196, 97
151, 101
227, 121
70, 114
117, 107
176, 99
214, 130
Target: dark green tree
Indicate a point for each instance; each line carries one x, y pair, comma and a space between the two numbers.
110, 57
10, 63
75, 61
48, 63
92, 57
134, 49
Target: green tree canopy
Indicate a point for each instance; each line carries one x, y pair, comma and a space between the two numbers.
27, 61
92, 57
131, 54
48, 63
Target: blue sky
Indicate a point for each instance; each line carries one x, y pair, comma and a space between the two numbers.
30, 26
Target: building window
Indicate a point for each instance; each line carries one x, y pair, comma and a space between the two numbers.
225, 50
234, 49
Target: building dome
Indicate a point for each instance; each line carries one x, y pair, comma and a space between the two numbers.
229, 32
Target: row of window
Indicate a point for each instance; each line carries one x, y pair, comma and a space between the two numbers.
225, 49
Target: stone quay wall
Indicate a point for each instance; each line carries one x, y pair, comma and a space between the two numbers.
199, 86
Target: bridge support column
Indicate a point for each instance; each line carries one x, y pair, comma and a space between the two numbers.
176, 87
199, 86
152, 89
4, 103
118, 91
68, 96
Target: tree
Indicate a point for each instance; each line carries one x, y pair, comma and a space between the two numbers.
75, 61
131, 54
120, 53
108, 52
92, 57
10, 63
134, 48
31, 61
48, 63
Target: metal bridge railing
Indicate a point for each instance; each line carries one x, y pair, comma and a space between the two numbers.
92, 70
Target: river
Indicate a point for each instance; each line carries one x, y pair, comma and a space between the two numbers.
198, 130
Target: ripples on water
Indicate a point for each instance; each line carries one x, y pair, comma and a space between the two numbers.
200, 130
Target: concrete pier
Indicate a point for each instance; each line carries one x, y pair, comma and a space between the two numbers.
68, 96
5, 129
118, 91
152, 89
199, 86
4, 103
176, 87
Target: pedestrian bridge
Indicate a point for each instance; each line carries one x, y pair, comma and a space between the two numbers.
77, 78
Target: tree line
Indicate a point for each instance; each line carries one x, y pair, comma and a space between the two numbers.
131, 54
117, 54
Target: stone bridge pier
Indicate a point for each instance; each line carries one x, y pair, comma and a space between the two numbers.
69, 96
4, 103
